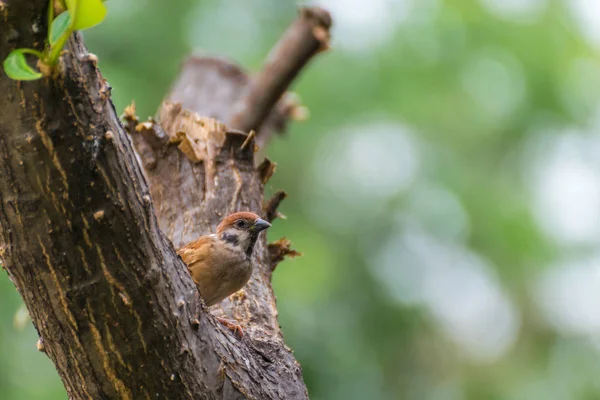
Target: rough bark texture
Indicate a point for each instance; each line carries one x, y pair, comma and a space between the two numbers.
115, 308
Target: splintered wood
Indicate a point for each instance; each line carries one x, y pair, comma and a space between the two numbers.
200, 138
280, 249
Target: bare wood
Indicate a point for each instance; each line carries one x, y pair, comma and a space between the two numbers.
307, 36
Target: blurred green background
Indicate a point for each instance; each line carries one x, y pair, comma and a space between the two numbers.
445, 192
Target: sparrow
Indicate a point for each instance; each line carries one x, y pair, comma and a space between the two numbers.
221, 263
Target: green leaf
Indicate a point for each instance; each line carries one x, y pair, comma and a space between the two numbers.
16, 67
59, 27
88, 12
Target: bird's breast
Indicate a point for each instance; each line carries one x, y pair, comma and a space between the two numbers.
222, 271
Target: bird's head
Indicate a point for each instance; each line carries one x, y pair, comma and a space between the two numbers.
242, 229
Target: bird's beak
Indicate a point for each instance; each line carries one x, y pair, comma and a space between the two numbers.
260, 225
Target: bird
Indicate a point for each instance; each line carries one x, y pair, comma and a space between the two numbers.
221, 263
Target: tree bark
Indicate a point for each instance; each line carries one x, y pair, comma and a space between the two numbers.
115, 308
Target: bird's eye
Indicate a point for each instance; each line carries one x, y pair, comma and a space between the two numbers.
240, 223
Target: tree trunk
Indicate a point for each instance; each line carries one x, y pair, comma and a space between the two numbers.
115, 308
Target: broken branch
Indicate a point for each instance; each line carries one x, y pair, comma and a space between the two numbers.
271, 207
306, 37
280, 249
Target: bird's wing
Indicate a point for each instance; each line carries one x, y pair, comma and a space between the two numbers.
197, 251
201, 256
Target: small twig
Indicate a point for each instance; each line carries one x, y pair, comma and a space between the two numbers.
266, 169
248, 140
271, 207
130, 118
280, 249
307, 36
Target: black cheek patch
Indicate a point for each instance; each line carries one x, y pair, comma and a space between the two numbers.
231, 238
